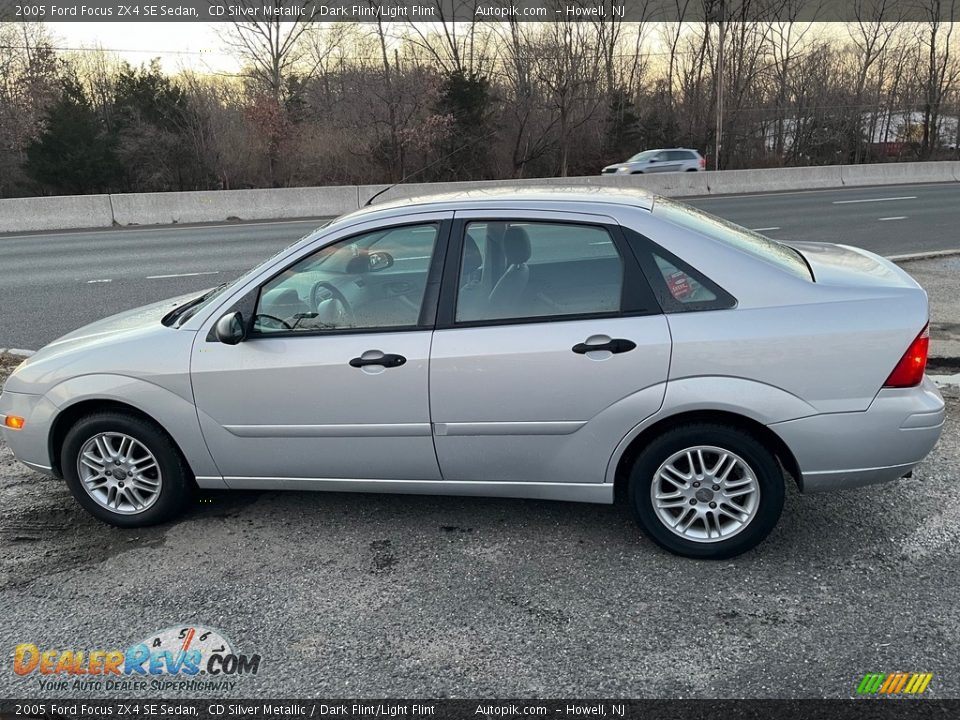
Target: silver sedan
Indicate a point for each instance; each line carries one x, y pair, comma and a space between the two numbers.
559, 344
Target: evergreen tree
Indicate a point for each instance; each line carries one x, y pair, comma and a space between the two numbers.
73, 154
149, 117
466, 98
621, 136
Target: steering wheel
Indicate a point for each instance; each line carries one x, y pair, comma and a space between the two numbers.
273, 319
346, 315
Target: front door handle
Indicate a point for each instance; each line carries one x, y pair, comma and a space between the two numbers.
616, 345
387, 360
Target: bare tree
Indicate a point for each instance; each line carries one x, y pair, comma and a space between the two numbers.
270, 48
29, 76
940, 67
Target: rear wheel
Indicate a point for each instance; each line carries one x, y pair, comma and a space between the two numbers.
124, 470
706, 491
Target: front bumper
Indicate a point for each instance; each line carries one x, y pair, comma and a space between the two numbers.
886, 441
30, 444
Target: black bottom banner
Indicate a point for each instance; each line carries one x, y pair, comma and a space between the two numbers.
482, 709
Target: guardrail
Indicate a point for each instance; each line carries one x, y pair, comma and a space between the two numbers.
97, 211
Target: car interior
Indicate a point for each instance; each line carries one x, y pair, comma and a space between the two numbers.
533, 269
509, 270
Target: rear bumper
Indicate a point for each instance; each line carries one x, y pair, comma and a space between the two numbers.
886, 441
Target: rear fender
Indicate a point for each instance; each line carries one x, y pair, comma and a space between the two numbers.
757, 401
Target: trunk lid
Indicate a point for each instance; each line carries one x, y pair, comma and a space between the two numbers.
849, 266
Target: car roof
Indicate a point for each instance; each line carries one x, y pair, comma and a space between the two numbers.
487, 197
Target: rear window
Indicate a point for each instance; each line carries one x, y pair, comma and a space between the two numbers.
729, 233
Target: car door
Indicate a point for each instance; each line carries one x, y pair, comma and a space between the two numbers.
660, 163
682, 160
549, 348
331, 381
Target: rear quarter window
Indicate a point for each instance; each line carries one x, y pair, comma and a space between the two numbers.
715, 228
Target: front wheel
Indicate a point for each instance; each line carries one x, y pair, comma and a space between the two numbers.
124, 470
707, 491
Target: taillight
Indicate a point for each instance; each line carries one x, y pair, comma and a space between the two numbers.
909, 371
703, 163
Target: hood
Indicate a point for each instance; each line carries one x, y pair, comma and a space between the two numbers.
128, 321
850, 266
98, 342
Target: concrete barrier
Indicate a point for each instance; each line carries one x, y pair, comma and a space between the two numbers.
55, 213
220, 205
90, 211
899, 173
728, 182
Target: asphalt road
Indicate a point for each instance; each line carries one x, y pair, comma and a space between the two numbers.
51, 283
348, 595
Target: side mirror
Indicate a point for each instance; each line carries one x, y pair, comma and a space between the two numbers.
380, 261
229, 329
368, 262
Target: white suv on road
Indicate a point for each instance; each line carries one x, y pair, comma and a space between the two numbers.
651, 161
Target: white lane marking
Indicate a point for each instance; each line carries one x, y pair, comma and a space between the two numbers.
179, 275
893, 217
91, 282
866, 200
762, 229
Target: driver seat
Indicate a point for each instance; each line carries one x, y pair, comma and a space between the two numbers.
509, 290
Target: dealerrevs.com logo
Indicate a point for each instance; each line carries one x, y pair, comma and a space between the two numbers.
177, 658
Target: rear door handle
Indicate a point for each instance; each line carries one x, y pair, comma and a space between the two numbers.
386, 360
616, 345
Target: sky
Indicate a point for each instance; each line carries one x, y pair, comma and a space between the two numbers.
191, 45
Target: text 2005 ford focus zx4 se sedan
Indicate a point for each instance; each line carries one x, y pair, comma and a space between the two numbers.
556, 343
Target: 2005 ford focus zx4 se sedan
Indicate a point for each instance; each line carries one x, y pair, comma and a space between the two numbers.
558, 343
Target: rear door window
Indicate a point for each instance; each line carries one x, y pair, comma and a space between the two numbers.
516, 269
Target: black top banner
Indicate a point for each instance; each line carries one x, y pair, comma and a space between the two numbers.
483, 709
480, 11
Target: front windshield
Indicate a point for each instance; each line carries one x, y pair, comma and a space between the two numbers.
645, 155
190, 308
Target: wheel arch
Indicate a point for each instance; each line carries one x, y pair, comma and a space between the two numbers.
172, 413
69, 417
722, 417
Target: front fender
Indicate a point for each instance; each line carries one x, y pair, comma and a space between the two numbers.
173, 413
757, 401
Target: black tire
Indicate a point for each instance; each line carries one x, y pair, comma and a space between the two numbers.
176, 480
757, 458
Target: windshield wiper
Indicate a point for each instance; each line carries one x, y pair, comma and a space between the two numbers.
180, 310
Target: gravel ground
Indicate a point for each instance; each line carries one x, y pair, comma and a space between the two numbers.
366, 595
940, 277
